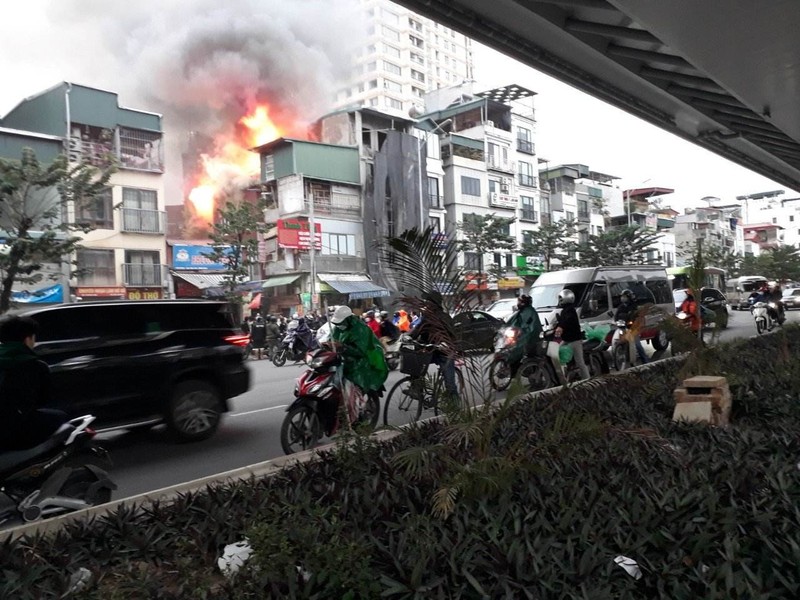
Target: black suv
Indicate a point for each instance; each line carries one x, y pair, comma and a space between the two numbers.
141, 363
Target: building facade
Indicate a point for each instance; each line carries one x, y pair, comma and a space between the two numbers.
404, 56
123, 255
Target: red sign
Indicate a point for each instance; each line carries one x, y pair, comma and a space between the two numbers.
100, 292
296, 233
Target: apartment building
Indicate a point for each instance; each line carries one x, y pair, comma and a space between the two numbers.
769, 209
718, 226
123, 256
405, 55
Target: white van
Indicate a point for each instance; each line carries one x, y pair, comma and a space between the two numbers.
738, 290
597, 291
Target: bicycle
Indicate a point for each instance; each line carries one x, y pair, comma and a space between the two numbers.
419, 390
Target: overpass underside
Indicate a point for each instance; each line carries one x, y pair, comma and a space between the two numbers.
724, 75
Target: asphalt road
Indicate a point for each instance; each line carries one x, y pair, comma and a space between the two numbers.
250, 433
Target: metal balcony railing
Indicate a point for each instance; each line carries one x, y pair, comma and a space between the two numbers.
584, 215
525, 145
435, 201
529, 215
142, 275
527, 180
143, 220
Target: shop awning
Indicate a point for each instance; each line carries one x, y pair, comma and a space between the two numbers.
202, 281
357, 287
279, 280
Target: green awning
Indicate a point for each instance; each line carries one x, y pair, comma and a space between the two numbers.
279, 280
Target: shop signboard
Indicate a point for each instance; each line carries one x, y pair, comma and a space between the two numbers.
296, 234
190, 257
144, 293
530, 266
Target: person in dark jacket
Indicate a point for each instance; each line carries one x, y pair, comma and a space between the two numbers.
436, 327
628, 311
568, 328
24, 388
273, 335
258, 336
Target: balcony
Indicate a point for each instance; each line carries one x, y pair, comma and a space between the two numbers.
529, 215
142, 275
337, 205
527, 180
584, 215
525, 146
435, 201
142, 220
497, 164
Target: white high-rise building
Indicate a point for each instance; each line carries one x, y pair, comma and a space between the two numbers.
405, 55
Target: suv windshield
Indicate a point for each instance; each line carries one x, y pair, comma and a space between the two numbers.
545, 297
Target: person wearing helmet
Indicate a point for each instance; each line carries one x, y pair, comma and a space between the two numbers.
372, 323
387, 331
363, 363
436, 327
776, 295
303, 332
691, 307
568, 328
628, 311
527, 320
258, 336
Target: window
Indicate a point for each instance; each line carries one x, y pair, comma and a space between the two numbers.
96, 212
470, 186
415, 25
371, 49
417, 75
528, 209
391, 51
140, 212
373, 84
544, 205
509, 261
390, 17
391, 68
418, 92
140, 149
392, 103
96, 268
371, 67
524, 142
569, 215
392, 86
415, 41
435, 225
526, 177
142, 268
339, 243
373, 102
434, 200
417, 58
583, 210
390, 34
472, 261
596, 301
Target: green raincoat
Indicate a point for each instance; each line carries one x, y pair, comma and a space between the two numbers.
527, 320
364, 363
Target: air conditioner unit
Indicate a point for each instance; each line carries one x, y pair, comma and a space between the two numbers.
504, 187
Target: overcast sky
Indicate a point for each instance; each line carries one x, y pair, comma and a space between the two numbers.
143, 51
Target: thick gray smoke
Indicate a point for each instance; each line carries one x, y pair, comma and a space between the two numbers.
204, 64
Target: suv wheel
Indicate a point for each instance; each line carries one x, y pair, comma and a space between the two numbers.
661, 341
194, 412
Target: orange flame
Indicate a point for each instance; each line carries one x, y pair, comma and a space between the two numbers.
233, 160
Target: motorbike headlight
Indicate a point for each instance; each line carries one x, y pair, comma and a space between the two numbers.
621, 323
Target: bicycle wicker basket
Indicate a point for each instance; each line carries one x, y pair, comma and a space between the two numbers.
414, 361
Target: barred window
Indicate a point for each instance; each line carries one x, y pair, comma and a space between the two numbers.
140, 149
96, 212
96, 267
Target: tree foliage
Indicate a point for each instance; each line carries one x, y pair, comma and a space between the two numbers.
482, 234
715, 255
235, 243
35, 203
781, 264
618, 246
551, 242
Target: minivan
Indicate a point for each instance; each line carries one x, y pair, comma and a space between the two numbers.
597, 291
141, 363
738, 290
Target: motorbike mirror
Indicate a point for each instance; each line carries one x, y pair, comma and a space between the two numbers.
610, 313
709, 299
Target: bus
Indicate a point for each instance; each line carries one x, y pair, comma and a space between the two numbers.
679, 276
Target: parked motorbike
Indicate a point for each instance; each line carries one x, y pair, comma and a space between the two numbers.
291, 347
54, 477
392, 354
318, 396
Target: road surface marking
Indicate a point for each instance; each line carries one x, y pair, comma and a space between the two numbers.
251, 412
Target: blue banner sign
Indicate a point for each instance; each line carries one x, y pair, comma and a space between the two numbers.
53, 294
193, 258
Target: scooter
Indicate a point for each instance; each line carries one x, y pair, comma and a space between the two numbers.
501, 372
392, 354
53, 477
291, 347
318, 395
623, 349
763, 317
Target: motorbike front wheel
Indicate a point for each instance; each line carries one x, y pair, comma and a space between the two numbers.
761, 326
280, 357
622, 358
500, 374
300, 430
537, 376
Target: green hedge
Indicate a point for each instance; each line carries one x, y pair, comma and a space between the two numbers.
549, 490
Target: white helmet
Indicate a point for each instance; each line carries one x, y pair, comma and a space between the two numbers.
341, 314
566, 296
295, 316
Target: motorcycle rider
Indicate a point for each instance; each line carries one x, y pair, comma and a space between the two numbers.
776, 295
527, 320
568, 329
364, 365
692, 308
303, 332
388, 331
258, 336
273, 335
24, 388
372, 323
627, 311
